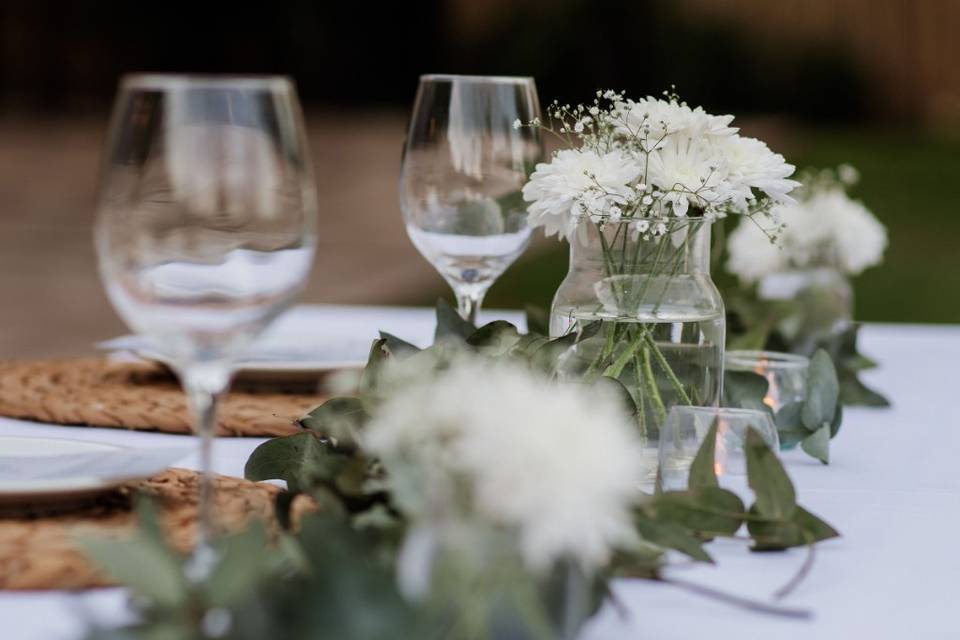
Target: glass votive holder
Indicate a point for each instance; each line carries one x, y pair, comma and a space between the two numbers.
684, 432
786, 374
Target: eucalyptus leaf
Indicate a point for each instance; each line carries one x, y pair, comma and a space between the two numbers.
371, 372
241, 565
776, 497
788, 417
149, 569
302, 460
703, 469
837, 421
496, 337
398, 346
814, 529
745, 390
338, 418
377, 517
854, 392
801, 529
823, 392
348, 590
148, 522
352, 477
708, 511
846, 353
817, 444
671, 535
450, 326
538, 320
643, 562
791, 437
790, 427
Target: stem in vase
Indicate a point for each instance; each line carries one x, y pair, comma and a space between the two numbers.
651, 384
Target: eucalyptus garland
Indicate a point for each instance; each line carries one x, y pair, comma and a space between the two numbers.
333, 572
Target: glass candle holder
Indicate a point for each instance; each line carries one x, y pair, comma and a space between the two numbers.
786, 374
685, 430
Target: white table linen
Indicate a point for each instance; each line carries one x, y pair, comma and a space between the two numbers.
892, 489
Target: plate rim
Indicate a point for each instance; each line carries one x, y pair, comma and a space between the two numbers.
18, 491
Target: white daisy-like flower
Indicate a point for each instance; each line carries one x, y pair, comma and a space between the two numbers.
668, 117
690, 162
557, 465
685, 170
752, 254
578, 182
825, 229
750, 164
858, 238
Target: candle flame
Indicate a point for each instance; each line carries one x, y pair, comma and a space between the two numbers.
720, 456
770, 399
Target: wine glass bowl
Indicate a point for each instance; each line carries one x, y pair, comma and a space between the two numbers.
205, 224
205, 216
464, 164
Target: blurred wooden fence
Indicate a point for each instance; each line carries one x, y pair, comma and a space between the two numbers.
908, 50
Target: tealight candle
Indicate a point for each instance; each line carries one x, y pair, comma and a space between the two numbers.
786, 374
683, 435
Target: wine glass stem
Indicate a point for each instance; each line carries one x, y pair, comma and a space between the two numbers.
468, 304
204, 383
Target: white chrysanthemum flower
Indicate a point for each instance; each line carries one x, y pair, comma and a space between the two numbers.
697, 162
578, 182
557, 465
825, 229
686, 171
750, 164
752, 254
858, 238
659, 118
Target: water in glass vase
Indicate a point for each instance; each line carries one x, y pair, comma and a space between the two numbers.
646, 313
662, 363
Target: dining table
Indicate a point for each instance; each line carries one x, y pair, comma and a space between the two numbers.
892, 490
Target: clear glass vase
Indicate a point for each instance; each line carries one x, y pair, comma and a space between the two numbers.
648, 314
821, 305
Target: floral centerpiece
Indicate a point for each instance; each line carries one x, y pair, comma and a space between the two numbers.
824, 228
800, 297
635, 192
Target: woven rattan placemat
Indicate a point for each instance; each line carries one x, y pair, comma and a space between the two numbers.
39, 551
136, 395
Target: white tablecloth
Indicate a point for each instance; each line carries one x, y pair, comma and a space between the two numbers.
892, 489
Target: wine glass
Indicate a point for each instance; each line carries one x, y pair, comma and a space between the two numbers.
205, 228
464, 163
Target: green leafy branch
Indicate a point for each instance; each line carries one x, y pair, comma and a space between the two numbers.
331, 574
810, 423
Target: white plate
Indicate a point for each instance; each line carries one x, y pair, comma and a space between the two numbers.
313, 339
19, 492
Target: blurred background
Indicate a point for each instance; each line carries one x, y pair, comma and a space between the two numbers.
875, 83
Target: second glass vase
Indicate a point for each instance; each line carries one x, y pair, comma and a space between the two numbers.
648, 315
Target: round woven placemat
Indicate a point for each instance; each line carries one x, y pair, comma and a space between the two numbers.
136, 395
39, 551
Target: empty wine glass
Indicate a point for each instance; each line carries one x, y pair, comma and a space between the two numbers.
205, 227
464, 163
